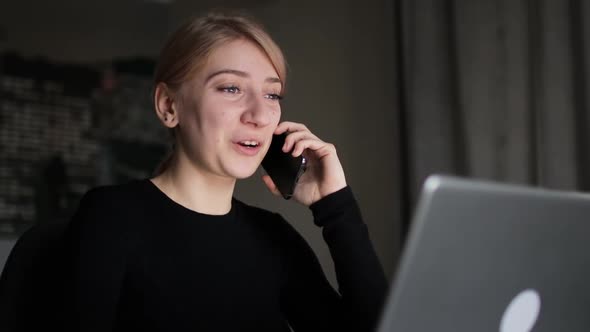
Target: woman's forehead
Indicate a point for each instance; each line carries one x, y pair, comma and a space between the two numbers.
239, 57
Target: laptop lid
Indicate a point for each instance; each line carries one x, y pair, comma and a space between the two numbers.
482, 256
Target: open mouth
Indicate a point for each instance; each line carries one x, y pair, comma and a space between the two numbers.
249, 144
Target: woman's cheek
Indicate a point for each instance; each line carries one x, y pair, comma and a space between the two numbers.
276, 114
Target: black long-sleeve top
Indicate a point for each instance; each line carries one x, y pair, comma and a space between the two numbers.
142, 262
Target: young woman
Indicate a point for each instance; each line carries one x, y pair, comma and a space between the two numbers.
177, 252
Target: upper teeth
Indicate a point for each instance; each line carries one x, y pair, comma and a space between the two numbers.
252, 143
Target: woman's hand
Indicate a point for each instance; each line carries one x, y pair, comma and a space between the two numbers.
324, 174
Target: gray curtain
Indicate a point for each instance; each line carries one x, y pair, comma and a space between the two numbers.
494, 89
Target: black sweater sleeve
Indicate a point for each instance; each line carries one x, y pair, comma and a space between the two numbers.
98, 254
312, 304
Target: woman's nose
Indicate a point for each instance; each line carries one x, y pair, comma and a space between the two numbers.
258, 112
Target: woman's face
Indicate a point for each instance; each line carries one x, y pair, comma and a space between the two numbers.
230, 110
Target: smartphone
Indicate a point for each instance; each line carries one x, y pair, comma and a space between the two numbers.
284, 169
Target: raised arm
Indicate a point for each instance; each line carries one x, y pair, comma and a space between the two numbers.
311, 303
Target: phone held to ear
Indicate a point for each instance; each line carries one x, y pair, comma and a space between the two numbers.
284, 169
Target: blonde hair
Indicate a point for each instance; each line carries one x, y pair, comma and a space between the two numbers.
189, 47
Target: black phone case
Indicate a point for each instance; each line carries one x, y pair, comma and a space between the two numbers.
284, 169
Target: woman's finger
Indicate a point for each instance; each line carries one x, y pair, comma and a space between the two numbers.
288, 126
295, 137
320, 147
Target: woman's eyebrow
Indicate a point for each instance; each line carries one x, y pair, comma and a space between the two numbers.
273, 80
241, 74
227, 71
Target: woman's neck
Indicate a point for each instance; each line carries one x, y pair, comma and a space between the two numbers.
194, 189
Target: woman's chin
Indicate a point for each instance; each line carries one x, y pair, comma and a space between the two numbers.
243, 173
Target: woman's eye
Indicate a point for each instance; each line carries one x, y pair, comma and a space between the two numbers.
273, 96
230, 89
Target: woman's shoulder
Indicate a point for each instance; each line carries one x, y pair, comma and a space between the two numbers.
266, 220
116, 198
113, 192
110, 211
251, 212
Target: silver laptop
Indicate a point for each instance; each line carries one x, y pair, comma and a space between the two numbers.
482, 256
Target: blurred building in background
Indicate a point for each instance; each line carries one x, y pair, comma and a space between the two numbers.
65, 128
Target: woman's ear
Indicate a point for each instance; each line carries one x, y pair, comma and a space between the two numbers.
166, 105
